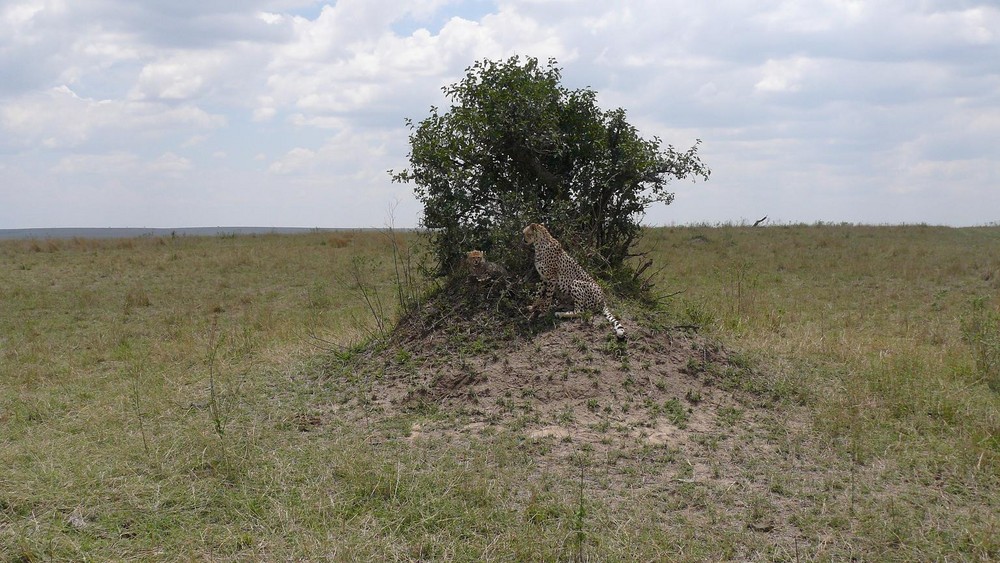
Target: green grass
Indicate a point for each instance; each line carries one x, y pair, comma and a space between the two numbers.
866, 323
158, 402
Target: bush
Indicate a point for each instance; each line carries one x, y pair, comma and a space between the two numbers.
517, 147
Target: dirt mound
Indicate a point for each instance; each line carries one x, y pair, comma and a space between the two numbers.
666, 413
472, 349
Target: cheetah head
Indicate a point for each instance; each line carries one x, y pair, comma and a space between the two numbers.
475, 257
533, 233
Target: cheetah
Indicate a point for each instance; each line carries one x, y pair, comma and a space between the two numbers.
482, 270
559, 271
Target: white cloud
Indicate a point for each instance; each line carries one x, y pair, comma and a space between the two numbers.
297, 160
807, 108
181, 76
121, 163
97, 163
346, 153
59, 118
194, 141
264, 113
784, 75
25, 16
170, 164
18, 15
270, 18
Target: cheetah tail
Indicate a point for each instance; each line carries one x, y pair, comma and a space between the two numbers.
619, 329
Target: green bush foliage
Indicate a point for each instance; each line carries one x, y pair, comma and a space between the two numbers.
519, 147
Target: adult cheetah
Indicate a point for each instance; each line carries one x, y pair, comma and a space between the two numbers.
560, 271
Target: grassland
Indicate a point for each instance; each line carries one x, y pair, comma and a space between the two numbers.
159, 401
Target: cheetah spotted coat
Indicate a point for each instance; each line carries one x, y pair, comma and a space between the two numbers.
559, 271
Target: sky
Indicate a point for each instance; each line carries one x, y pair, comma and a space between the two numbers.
289, 113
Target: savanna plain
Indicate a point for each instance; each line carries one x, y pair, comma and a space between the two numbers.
179, 398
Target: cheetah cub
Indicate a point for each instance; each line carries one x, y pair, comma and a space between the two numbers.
559, 271
482, 270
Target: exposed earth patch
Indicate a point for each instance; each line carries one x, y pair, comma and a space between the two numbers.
668, 413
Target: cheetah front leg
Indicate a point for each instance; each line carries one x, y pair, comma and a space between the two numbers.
543, 299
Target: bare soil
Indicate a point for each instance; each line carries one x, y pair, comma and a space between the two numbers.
667, 412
